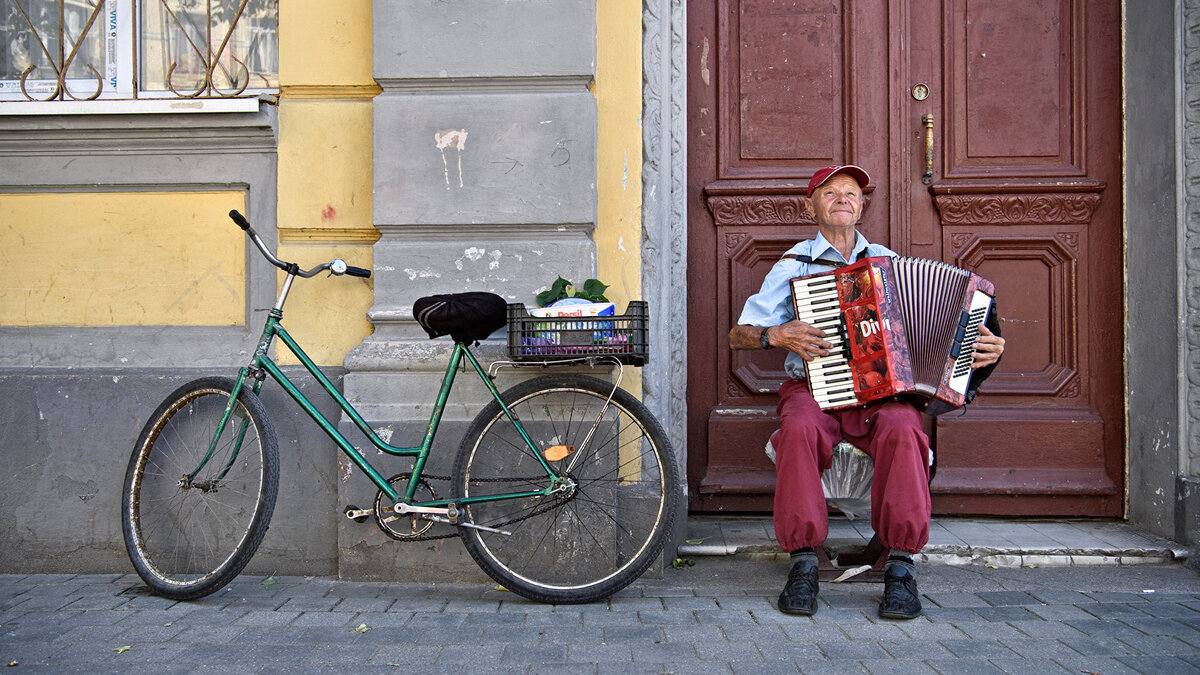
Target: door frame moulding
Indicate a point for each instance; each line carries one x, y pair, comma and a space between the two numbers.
664, 213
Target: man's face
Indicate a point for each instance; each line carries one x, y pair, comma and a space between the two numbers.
837, 203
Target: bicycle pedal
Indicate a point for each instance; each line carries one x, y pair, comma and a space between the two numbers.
358, 515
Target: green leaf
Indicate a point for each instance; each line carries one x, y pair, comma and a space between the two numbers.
594, 290
267, 582
557, 290
680, 563
362, 628
122, 650
695, 541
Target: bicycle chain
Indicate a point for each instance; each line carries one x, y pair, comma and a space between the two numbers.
535, 512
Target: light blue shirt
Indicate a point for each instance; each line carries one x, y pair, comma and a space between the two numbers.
772, 304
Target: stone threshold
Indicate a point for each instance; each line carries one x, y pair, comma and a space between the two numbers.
956, 541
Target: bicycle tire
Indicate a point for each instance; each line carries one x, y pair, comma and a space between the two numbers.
188, 541
574, 548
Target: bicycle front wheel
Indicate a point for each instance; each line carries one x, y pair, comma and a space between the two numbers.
192, 518
602, 532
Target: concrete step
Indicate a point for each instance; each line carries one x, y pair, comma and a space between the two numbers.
955, 541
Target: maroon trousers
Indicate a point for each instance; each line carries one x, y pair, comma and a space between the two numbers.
890, 433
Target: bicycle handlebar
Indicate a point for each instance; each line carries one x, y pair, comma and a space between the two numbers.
241, 221
336, 266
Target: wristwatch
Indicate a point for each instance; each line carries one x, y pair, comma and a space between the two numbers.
763, 340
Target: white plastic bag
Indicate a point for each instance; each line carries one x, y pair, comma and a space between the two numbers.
847, 482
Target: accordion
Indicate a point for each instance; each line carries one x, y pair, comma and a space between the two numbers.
899, 327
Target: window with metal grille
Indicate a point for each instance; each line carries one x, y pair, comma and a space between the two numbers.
84, 50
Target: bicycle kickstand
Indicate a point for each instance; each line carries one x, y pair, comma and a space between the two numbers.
473, 526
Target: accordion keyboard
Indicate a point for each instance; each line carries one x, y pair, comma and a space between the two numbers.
830, 377
963, 351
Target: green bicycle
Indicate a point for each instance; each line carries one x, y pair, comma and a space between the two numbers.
564, 488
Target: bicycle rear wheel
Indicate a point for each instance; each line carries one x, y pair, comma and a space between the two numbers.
189, 537
593, 540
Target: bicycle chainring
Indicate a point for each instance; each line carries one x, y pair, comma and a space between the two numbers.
410, 527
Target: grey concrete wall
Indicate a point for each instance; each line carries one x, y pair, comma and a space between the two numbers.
485, 179
445, 41
67, 438
1153, 357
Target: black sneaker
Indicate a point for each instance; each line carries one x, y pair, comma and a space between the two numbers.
799, 596
900, 597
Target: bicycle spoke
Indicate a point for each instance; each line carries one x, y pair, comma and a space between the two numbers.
604, 531
187, 540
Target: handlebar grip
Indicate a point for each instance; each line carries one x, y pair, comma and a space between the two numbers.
240, 220
358, 272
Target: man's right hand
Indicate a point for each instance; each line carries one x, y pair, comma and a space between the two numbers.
802, 338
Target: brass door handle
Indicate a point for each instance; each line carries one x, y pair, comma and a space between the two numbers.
927, 122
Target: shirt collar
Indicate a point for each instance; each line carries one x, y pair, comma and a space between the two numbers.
821, 246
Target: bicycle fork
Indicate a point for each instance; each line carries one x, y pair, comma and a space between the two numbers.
188, 480
264, 344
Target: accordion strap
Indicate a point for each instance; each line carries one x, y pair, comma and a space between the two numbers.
809, 260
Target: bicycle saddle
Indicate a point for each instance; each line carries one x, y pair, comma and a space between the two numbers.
465, 317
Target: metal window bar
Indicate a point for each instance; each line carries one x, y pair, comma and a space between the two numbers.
193, 50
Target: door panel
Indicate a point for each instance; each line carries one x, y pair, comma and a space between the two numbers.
777, 90
1023, 116
1014, 88
1032, 140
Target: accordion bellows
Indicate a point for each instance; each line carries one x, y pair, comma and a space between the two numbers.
900, 327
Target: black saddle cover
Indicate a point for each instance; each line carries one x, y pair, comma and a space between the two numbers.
466, 317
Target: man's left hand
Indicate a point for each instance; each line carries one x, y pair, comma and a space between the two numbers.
988, 348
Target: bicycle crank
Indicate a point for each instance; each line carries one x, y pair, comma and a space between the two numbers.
358, 515
403, 522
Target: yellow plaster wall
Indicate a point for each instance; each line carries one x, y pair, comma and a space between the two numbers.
618, 92
121, 259
325, 146
325, 43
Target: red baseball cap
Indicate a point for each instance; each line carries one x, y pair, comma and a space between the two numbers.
822, 175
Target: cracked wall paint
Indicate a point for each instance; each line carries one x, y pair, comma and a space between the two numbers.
413, 275
385, 433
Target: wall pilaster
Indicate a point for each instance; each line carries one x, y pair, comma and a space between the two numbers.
484, 179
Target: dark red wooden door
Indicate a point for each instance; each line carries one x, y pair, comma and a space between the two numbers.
1019, 101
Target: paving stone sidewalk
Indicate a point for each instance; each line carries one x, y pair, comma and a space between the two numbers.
717, 616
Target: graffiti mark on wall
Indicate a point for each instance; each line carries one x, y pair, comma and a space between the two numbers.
457, 140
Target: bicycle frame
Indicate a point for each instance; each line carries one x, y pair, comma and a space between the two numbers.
262, 365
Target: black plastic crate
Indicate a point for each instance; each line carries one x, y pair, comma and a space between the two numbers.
623, 336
